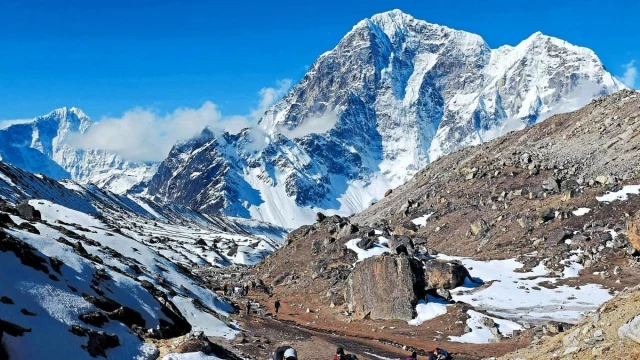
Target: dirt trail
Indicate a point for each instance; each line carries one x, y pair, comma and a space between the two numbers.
313, 344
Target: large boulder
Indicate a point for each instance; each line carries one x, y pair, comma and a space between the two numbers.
633, 231
386, 287
444, 275
28, 212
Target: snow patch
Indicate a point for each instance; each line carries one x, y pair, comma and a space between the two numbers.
480, 333
581, 211
430, 309
422, 220
519, 295
621, 194
376, 250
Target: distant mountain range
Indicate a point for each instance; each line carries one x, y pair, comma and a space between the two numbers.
42, 146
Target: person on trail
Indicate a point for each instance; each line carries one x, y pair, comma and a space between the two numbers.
277, 305
248, 307
439, 354
285, 353
340, 355
414, 356
225, 290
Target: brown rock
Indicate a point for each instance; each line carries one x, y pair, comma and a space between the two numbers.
386, 287
633, 231
444, 275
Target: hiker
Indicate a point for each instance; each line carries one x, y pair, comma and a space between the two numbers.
225, 290
439, 354
248, 307
277, 305
285, 353
340, 355
414, 356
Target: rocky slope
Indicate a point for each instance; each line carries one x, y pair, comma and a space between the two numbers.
395, 94
542, 219
42, 146
88, 273
612, 332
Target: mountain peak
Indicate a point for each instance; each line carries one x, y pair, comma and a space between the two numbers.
395, 14
404, 92
64, 112
71, 118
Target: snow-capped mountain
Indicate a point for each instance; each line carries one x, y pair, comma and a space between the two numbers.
395, 94
42, 146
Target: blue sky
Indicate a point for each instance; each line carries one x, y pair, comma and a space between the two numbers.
107, 57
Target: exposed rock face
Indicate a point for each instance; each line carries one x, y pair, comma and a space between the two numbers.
401, 244
99, 341
444, 275
633, 231
386, 287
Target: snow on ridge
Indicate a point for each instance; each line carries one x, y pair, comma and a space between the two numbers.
397, 111
58, 306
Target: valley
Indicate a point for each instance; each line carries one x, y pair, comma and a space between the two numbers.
416, 189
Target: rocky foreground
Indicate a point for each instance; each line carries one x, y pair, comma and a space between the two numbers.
546, 209
611, 332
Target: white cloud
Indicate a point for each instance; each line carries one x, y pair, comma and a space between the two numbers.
145, 135
268, 96
6, 123
313, 125
630, 74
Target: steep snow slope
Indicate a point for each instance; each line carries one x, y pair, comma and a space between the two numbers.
93, 251
179, 233
41, 146
395, 94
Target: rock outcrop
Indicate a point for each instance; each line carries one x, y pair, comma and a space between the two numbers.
386, 287
633, 231
28, 212
444, 275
